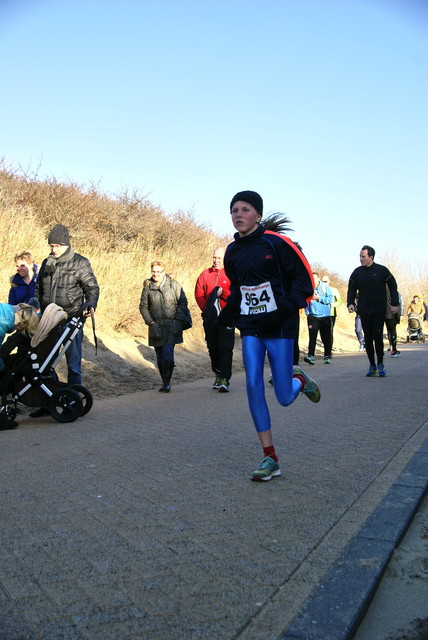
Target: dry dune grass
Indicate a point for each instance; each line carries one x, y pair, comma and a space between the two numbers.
121, 236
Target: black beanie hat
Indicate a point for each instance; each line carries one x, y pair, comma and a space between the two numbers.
59, 235
251, 197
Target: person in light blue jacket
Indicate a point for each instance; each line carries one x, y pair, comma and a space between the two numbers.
22, 317
318, 314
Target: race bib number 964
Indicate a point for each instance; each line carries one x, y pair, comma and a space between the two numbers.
257, 299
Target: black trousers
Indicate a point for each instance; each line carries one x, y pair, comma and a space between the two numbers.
391, 329
323, 326
220, 342
373, 335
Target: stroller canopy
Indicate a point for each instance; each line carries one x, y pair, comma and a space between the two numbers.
51, 317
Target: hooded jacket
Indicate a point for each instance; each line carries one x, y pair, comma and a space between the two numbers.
20, 291
321, 308
7, 319
163, 306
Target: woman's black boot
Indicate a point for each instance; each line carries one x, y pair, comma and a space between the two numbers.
167, 368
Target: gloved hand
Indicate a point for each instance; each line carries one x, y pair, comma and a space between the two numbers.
34, 302
85, 309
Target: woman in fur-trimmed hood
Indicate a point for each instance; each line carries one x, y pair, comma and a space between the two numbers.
164, 308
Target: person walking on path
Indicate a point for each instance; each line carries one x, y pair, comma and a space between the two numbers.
66, 278
163, 306
211, 292
337, 301
416, 307
270, 281
368, 283
391, 321
318, 314
425, 316
23, 283
359, 331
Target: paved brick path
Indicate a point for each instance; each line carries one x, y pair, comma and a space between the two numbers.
139, 520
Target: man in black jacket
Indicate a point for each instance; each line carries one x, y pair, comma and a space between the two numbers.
66, 278
368, 283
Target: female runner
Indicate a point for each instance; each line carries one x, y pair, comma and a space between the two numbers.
270, 281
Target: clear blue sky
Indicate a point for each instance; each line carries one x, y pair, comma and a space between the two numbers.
319, 105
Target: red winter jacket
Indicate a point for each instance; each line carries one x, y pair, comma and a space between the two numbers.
206, 282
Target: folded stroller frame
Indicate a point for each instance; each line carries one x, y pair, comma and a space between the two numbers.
31, 377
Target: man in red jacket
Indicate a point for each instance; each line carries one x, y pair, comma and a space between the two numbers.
211, 293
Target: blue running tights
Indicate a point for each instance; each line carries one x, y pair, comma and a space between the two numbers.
287, 388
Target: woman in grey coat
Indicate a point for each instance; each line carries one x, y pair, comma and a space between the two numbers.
163, 305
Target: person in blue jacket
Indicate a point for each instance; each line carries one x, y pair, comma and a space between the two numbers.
24, 318
23, 283
318, 314
270, 281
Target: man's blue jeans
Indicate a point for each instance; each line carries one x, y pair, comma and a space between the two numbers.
73, 356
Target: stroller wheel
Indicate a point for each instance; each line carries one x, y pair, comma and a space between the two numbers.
85, 396
65, 405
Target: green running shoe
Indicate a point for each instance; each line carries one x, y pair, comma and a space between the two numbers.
309, 359
217, 383
311, 388
223, 385
266, 470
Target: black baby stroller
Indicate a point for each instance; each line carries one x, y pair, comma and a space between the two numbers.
414, 329
29, 376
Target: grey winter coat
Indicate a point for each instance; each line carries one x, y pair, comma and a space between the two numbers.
162, 306
68, 281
